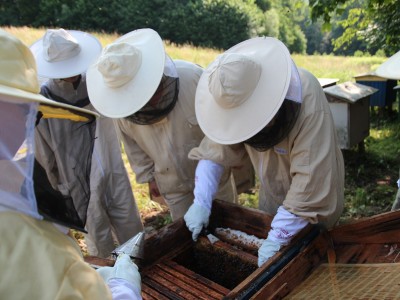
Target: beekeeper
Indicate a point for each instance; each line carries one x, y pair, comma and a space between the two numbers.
38, 259
390, 69
253, 98
62, 58
152, 99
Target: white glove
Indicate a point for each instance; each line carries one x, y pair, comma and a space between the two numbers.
267, 250
196, 218
123, 268
284, 226
208, 175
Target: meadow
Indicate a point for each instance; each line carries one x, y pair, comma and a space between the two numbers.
322, 66
370, 177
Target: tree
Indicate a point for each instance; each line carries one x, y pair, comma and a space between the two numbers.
378, 21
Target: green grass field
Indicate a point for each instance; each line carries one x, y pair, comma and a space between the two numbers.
370, 178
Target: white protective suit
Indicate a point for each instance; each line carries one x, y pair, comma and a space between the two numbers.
112, 208
304, 173
38, 260
160, 151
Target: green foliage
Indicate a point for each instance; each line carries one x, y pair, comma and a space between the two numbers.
210, 23
380, 53
358, 53
235, 22
264, 5
376, 22
290, 33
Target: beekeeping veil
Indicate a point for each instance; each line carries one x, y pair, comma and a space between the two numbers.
24, 185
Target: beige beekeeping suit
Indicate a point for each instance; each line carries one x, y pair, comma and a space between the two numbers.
112, 212
305, 171
27, 247
160, 151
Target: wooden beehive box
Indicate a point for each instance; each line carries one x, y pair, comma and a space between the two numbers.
349, 103
362, 261
175, 267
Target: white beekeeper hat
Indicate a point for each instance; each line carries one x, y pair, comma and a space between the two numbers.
242, 90
65, 53
391, 68
18, 77
127, 73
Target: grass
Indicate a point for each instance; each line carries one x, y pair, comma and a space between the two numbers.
370, 185
340, 67
371, 176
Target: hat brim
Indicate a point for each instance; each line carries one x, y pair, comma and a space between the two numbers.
132, 96
90, 49
13, 94
390, 69
237, 124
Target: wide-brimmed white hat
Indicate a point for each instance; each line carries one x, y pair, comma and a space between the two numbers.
65, 53
18, 77
127, 73
242, 90
391, 68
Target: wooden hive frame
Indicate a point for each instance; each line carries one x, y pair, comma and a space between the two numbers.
166, 270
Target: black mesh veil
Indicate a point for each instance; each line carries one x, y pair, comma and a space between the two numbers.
282, 123
163, 100
278, 128
62, 169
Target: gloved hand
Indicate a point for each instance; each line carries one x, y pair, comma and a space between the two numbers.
123, 268
196, 218
267, 250
284, 227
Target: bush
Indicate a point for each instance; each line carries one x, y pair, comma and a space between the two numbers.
358, 53
211, 23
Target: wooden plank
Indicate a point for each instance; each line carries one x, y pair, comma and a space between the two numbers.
183, 282
278, 259
249, 220
171, 286
367, 253
98, 261
198, 278
382, 228
295, 271
148, 294
161, 290
172, 236
229, 250
348, 253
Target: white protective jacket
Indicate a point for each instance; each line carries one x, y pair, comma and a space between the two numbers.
305, 171
160, 151
112, 207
